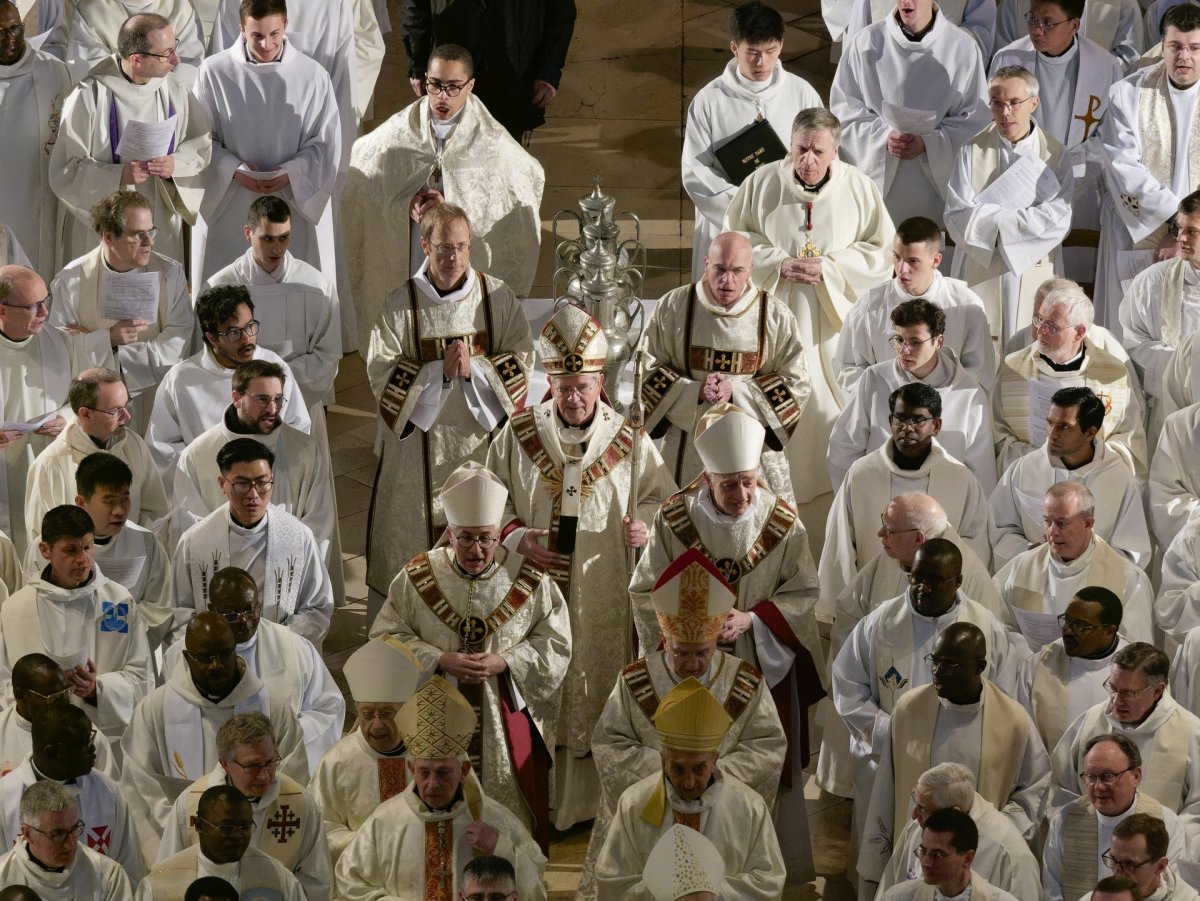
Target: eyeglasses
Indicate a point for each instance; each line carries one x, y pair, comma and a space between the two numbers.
927, 579
1103, 778
264, 400
234, 333
444, 250
166, 57
1127, 866
1042, 24
227, 828
449, 88
209, 659
245, 615
43, 304
491, 896
891, 532
911, 343
256, 769
935, 855
61, 835
147, 235
261, 486
116, 411
912, 422
1000, 106
371, 714
1079, 627
1047, 327
918, 806
483, 541
14, 31
937, 665
1125, 694
575, 390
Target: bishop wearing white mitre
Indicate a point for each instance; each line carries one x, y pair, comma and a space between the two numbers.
910, 91
799, 214
1008, 206
129, 89
275, 131
754, 88
33, 87
1151, 151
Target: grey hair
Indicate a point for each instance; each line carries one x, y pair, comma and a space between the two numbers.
42, 797
923, 512
949, 785
1052, 284
817, 118
1085, 501
1004, 73
1073, 302
243, 729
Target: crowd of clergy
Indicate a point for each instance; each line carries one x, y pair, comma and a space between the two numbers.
899, 500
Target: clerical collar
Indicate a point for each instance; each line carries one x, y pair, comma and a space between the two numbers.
236, 426
256, 62
102, 445
243, 527
1072, 365
473, 577
46, 578
102, 540
1107, 652
1058, 58
41, 865
397, 751
906, 463
458, 796
815, 189
964, 895
563, 425
917, 35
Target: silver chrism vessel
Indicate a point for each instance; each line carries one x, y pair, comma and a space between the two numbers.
604, 274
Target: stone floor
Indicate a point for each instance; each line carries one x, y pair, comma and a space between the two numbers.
633, 68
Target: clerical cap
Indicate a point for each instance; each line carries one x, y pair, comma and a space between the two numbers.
383, 671
437, 722
691, 599
689, 718
683, 861
572, 342
728, 439
473, 497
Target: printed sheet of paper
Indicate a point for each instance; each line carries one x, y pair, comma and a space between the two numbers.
1039, 405
32, 426
122, 570
141, 141
1038, 628
132, 295
1025, 183
911, 121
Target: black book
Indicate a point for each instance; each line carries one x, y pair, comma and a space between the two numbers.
753, 146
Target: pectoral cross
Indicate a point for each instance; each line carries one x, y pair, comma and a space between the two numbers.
810, 249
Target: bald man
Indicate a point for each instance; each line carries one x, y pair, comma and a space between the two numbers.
36, 365
724, 339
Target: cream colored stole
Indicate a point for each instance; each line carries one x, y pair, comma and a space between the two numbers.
981, 890
90, 302
1049, 696
1156, 124
281, 835
253, 873
1080, 834
894, 646
23, 631
1170, 307
953, 10
1028, 579
1005, 733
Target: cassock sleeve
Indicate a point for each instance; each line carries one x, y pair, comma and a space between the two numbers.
558, 25
703, 179
322, 707
517, 846
850, 438
1171, 496
368, 55
1177, 609
1141, 327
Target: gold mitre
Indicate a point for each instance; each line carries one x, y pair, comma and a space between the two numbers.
473, 497
691, 599
728, 439
573, 342
683, 861
383, 671
689, 718
437, 722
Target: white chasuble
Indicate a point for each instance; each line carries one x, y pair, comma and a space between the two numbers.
296, 132
480, 168
432, 427
720, 110
845, 220
255, 875
351, 780
91, 876
1007, 250
755, 342
32, 93
934, 87
93, 30
1057, 688
85, 166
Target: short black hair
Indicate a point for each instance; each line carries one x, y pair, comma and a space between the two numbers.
260, 9
1091, 408
218, 794
54, 719
66, 521
920, 311
217, 304
1072, 8
268, 207
489, 869
917, 395
1184, 18
1114, 885
453, 53
27, 670
101, 470
755, 23
1111, 608
210, 887
247, 372
964, 834
919, 230
243, 450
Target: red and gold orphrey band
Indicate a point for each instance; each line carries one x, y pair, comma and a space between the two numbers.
773, 532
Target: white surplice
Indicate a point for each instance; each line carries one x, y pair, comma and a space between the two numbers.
298, 318
368, 54
293, 671
719, 111
1007, 248
1177, 608
1115, 25
16, 743
1173, 488
975, 16
1161, 307
1016, 504
934, 87
93, 28
91, 876
136, 559
32, 93
1185, 685
863, 341
1056, 688
966, 418
85, 167
280, 116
